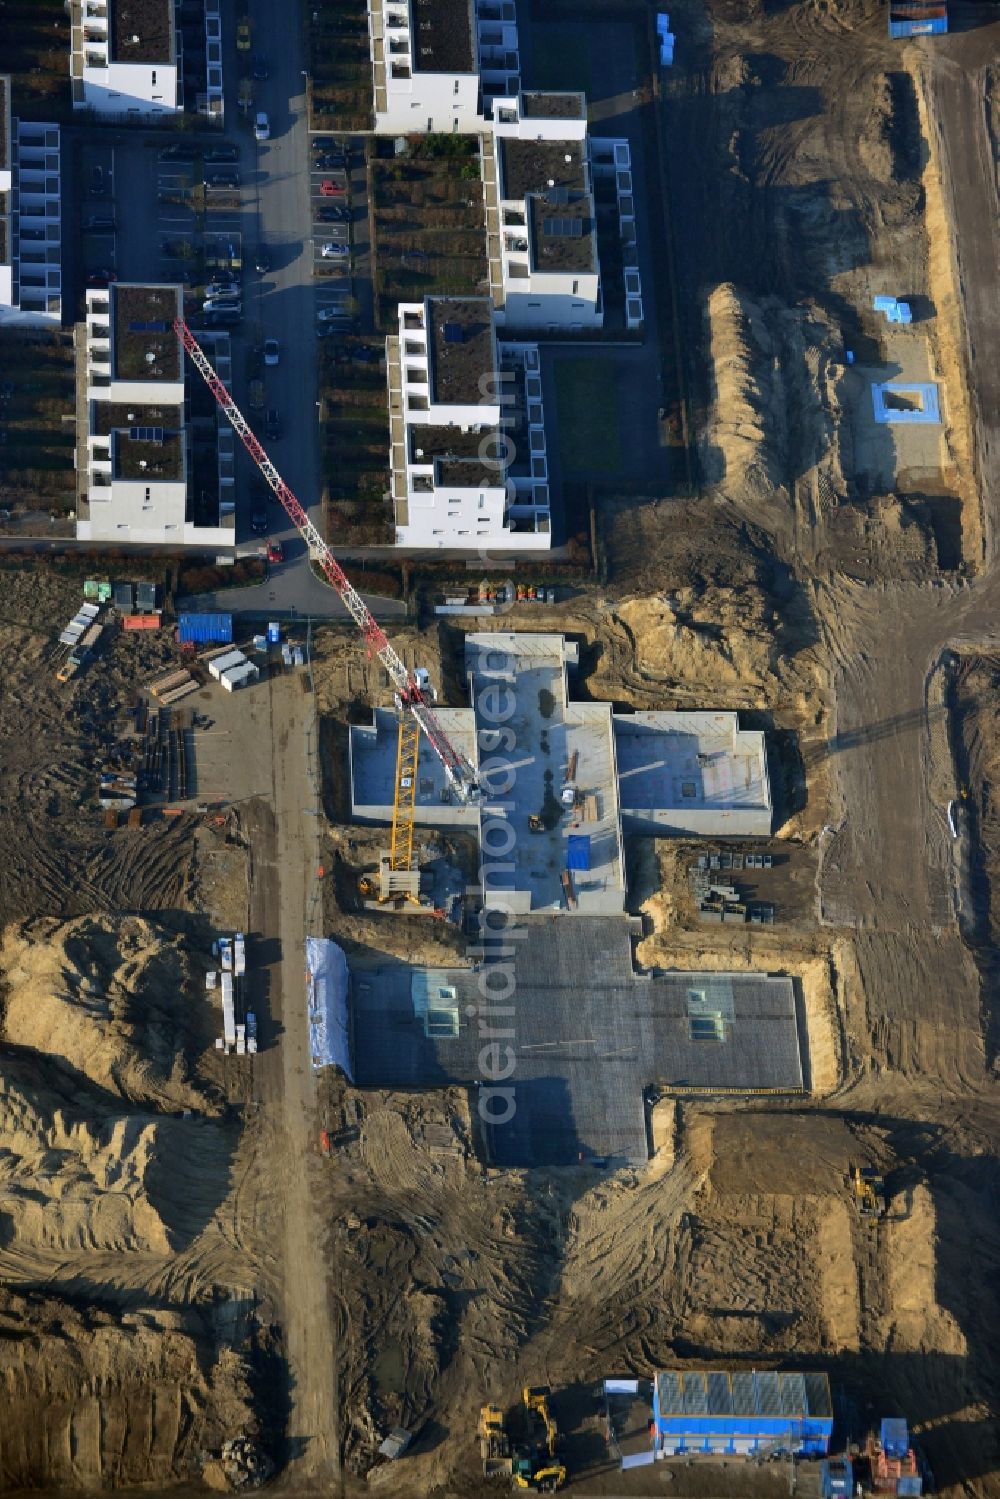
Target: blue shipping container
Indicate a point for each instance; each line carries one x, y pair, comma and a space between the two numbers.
205, 629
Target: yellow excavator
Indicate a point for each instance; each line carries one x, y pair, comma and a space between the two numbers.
869, 1191
531, 1464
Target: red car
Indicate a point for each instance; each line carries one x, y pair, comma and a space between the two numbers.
275, 552
101, 278
330, 189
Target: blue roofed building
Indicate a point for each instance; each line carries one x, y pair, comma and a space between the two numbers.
757, 1412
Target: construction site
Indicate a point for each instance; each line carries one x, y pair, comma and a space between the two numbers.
558, 1054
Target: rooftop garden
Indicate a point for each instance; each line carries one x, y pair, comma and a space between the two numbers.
430, 222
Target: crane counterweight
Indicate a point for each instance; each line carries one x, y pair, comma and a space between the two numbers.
412, 688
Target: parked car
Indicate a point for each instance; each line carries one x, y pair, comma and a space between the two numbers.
218, 317
271, 353
262, 262
322, 143
178, 152
262, 127
330, 189
331, 161
102, 278
243, 36
228, 178
228, 290
225, 152
260, 69
333, 213
222, 304
275, 552
98, 185
273, 428
258, 522
331, 251
338, 313
255, 397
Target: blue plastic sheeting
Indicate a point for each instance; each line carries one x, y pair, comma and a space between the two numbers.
329, 1035
927, 414
205, 629
578, 851
936, 27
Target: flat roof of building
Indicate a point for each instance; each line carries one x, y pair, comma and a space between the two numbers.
589, 1036
142, 31
443, 33
462, 458
111, 416
143, 327
689, 760
158, 462
461, 349
553, 176
545, 106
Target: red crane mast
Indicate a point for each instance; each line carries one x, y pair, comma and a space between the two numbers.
412, 698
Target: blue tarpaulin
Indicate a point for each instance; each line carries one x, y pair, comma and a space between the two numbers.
578, 851
329, 1039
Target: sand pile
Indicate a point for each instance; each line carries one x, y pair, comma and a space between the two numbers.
918, 1321
73, 1184
776, 405
112, 998
98, 1400
681, 640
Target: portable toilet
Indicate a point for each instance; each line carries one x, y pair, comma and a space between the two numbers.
273, 633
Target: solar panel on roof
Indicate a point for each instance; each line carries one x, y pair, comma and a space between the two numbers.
768, 1399
695, 1395
670, 1393
793, 1394
146, 434
454, 333
558, 196
563, 228
818, 1395
157, 326
744, 1395
720, 1401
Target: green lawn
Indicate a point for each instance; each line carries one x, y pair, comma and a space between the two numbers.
560, 58
587, 412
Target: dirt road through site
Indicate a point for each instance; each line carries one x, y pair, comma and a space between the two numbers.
284, 851
889, 867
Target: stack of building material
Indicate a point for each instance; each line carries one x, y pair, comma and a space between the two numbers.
81, 621
895, 311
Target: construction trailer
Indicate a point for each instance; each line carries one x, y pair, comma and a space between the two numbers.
220, 664
240, 675
753, 1414
917, 18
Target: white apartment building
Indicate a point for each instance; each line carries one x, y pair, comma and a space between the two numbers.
540, 214
124, 58
461, 446
137, 471
439, 65
30, 220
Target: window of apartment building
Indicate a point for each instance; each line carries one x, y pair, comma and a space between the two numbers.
152, 78
576, 287
455, 89
482, 502
534, 304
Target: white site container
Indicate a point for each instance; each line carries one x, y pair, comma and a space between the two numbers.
220, 664
239, 676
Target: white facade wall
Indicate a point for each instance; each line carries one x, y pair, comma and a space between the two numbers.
31, 279
119, 510
448, 515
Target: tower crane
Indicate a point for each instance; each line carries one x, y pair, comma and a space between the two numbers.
414, 695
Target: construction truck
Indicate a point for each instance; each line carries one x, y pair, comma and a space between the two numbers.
869, 1191
530, 1463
